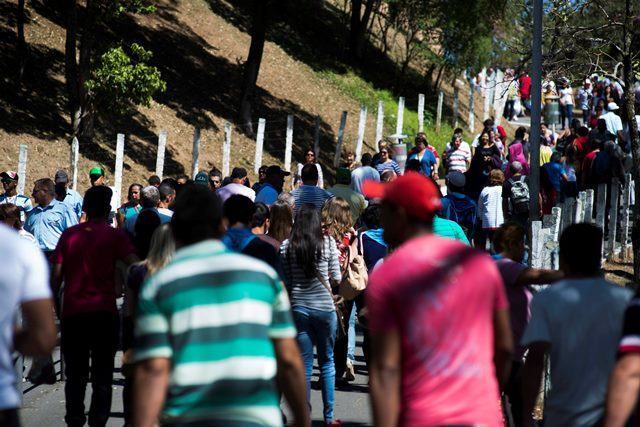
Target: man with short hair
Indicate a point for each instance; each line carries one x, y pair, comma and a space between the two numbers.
67, 195
49, 218
167, 196
457, 155
237, 186
364, 173
85, 259
215, 179
10, 195
220, 366
272, 186
154, 180
24, 286
149, 199
357, 202
613, 121
577, 322
446, 373
309, 193
457, 206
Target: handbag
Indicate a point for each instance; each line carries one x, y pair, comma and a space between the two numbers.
338, 305
355, 277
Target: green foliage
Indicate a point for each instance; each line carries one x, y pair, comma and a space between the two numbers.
118, 7
120, 81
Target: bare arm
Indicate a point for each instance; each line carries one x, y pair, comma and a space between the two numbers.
291, 379
503, 346
38, 335
149, 390
56, 284
531, 378
385, 378
534, 276
624, 386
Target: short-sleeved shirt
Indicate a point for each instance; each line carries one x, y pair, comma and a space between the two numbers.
24, 278
427, 161
21, 201
450, 229
88, 253
267, 194
128, 210
458, 158
519, 300
74, 200
47, 223
390, 165
213, 313
581, 319
130, 223
614, 123
232, 189
310, 195
554, 171
428, 290
362, 174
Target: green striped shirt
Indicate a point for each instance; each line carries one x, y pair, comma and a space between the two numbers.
213, 313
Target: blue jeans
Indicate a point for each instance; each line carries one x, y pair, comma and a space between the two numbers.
318, 328
351, 334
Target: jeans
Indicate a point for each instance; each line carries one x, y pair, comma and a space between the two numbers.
351, 334
318, 328
89, 336
509, 109
586, 117
566, 112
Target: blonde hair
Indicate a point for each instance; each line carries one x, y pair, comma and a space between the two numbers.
280, 219
336, 217
161, 249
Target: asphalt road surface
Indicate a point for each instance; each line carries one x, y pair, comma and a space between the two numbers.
44, 405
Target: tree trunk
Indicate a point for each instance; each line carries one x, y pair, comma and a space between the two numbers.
252, 66
22, 44
370, 5
354, 27
438, 79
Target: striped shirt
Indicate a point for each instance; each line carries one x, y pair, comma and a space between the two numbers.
310, 292
213, 313
391, 165
310, 195
458, 158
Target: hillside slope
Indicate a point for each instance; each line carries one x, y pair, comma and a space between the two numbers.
199, 46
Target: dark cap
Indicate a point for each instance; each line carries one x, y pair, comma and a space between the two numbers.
11, 175
456, 179
202, 178
61, 177
276, 170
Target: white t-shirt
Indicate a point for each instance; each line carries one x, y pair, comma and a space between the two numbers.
231, 189
24, 278
566, 96
490, 207
457, 158
614, 122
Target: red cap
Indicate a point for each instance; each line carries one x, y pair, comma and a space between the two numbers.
415, 193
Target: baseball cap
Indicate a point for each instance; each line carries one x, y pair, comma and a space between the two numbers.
202, 178
456, 178
61, 176
96, 170
415, 193
12, 175
612, 106
276, 170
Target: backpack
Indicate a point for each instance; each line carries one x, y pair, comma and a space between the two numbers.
519, 195
464, 212
355, 278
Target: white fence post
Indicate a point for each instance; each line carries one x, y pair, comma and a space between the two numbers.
362, 124
625, 223
162, 144
536, 243
439, 111
421, 112
22, 169
613, 217
568, 212
379, 124
343, 123
400, 118
601, 206
226, 150
117, 180
259, 144
75, 155
288, 144
455, 106
195, 152
588, 206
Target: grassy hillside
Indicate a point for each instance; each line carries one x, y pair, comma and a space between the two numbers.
199, 46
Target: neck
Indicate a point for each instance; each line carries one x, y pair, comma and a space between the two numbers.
163, 205
11, 193
259, 230
310, 183
237, 181
46, 202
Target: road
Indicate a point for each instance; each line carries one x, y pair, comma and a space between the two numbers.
43, 405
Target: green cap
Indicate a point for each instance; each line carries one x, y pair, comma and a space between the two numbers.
97, 170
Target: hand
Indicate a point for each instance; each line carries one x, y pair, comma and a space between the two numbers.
337, 299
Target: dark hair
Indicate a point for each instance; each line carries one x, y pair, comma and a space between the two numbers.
165, 191
11, 211
97, 202
371, 216
508, 233
458, 130
146, 223
154, 180
183, 176
412, 165
580, 248
575, 124
602, 125
215, 172
131, 187
306, 240
556, 157
46, 184
238, 173
583, 131
309, 173
366, 159
197, 215
521, 132
260, 215
488, 123
238, 209
171, 182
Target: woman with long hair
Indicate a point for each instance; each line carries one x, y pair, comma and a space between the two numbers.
310, 158
312, 269
131, 207
384, 160
280, 221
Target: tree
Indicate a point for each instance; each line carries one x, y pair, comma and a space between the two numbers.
22, 43
359, 24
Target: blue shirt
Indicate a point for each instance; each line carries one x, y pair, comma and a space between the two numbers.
554, 171
21, 201
74, 200
362, 174
310, 195
427, 162
47, 224
130, 223
267, 194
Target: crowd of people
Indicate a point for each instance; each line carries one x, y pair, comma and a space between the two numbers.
222, 295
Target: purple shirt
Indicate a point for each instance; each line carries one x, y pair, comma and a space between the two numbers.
519, 300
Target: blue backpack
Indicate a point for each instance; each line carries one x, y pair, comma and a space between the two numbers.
464, 212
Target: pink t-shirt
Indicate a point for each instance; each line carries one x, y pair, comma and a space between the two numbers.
441, 296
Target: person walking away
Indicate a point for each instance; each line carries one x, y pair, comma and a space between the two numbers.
167, 196
555, 173
312, 270
457, 155
149, 200
585, 101
222, 369
490, 208
519, 151
516, 195
280, 221
10, 216
260, 224
85, 259
272, 187
613, 121
310, 159
428, 162
24, 286
524, 90
309, 193
238, 185
508, 242
356, 201
581, 315
131, 207
448, 373
363, 173
457, 206
10, 195
67, 195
